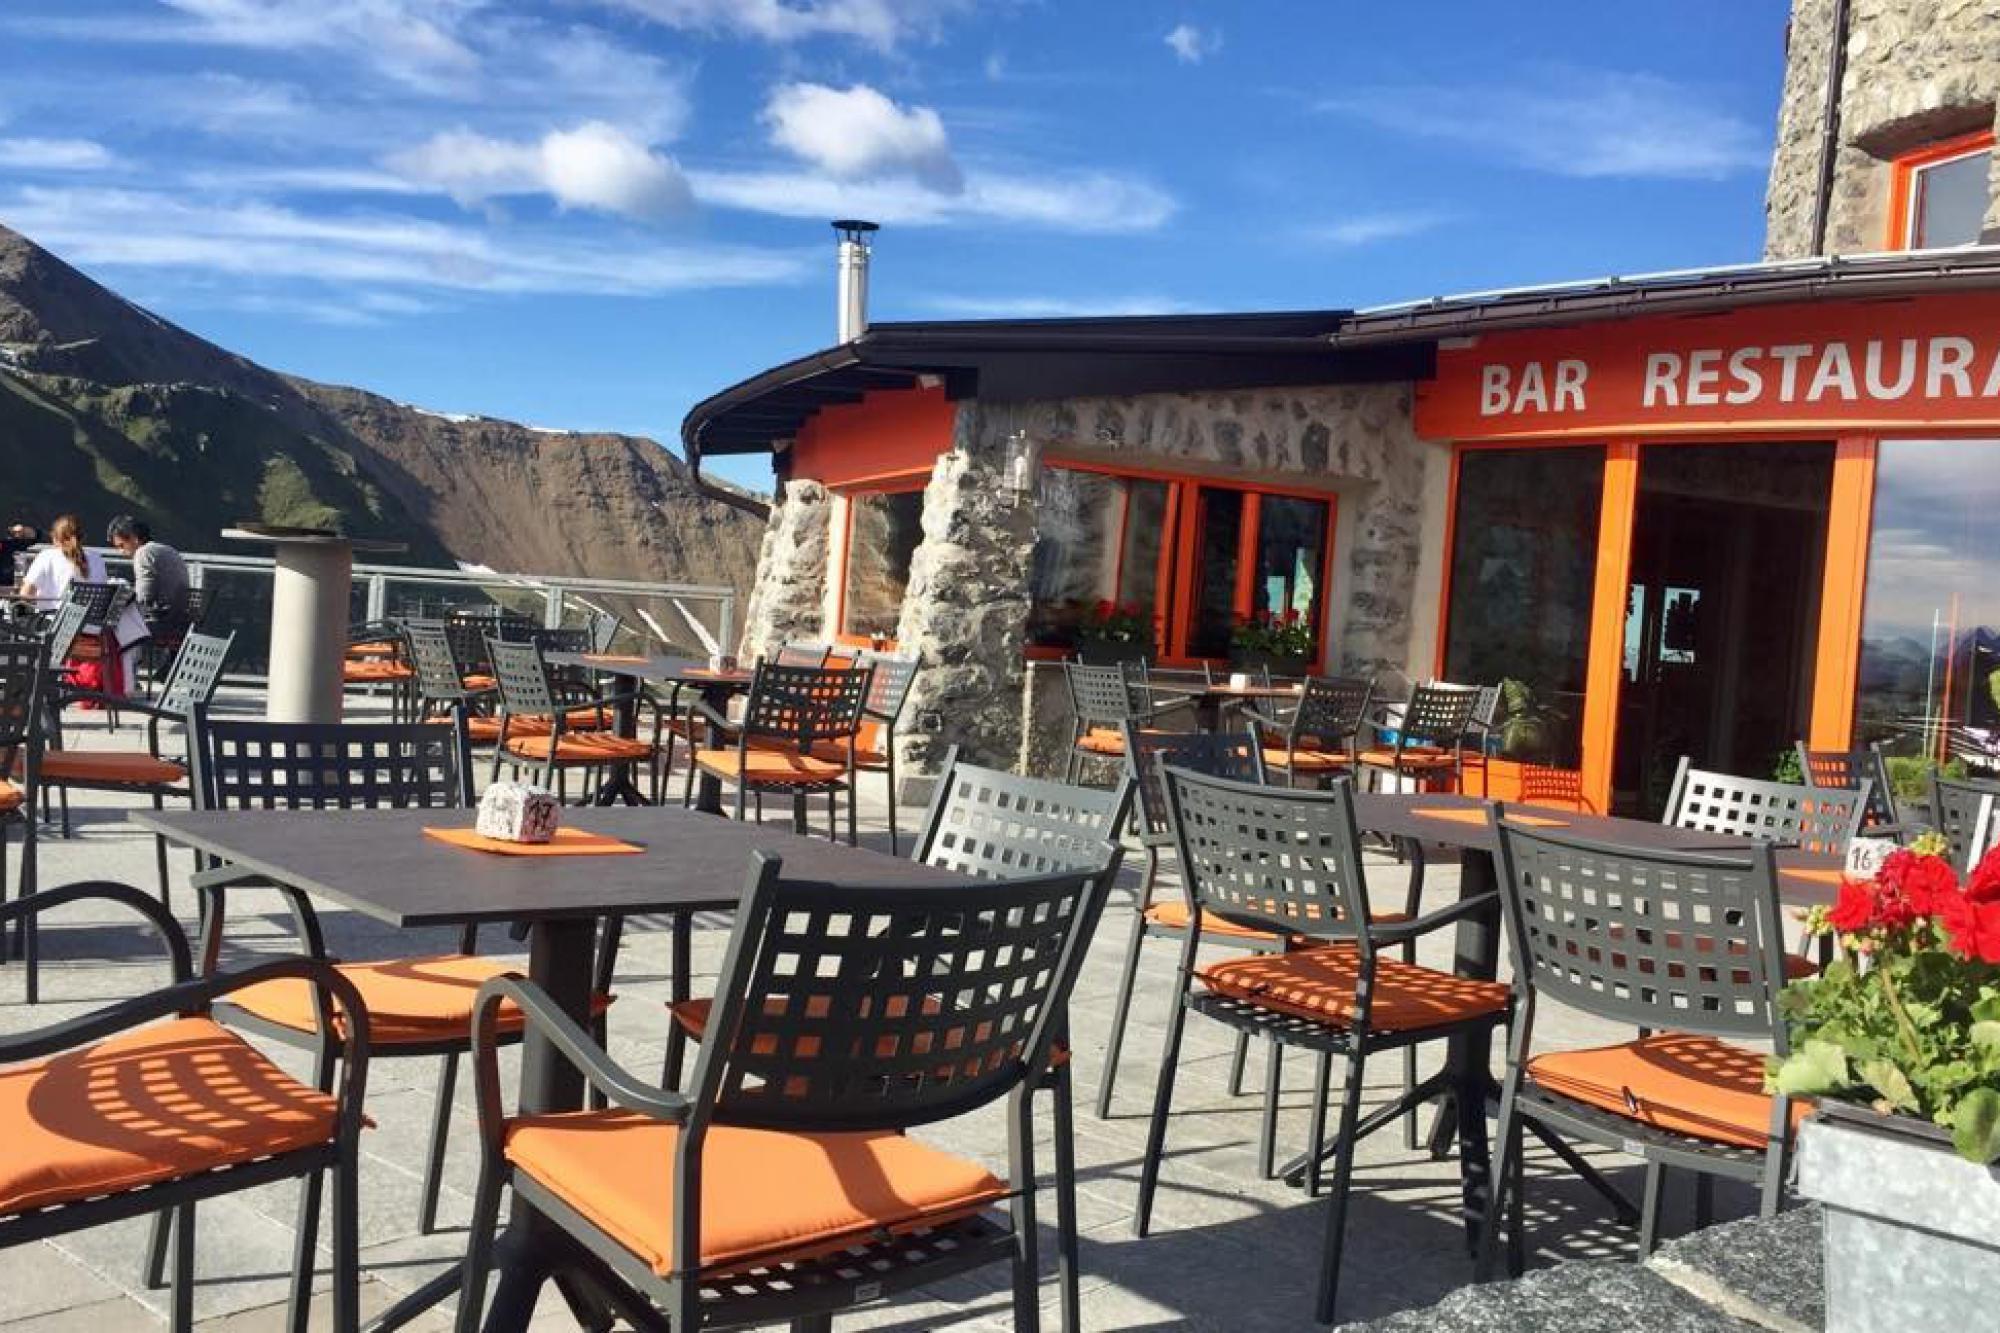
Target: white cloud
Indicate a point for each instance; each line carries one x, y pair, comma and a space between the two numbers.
1192, 45
1575, 123
594, 166
1077, 202
360, 251
884, 24
1050, 307
1368, 228
27, 154
414, 40
857, 133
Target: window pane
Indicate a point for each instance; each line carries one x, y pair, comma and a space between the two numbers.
1215, 561
1930, 631
883, 532
1083, 515
1291, 556
1950, 202
1523, 571
1145, 535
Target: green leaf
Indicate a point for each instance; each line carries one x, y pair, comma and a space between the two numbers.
1891, 1083
1986, 1033
1986, 1009
1975, 1125
1816, 1068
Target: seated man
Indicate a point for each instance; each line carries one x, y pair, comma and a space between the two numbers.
159, 575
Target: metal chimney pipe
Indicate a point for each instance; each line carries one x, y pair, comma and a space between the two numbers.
852, 309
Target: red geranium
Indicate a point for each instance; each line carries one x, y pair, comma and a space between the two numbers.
1984, 884
1913, 884
1973, 927
1854, 909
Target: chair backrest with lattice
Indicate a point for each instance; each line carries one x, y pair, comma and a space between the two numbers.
64, 630
322, 766
439, 677
95, 599
1438, 714
1967, 812
799, 654
1105, 696
1331, 710
22, 666
196, 673
890, 688
1847, 770
1149, 753
1815, 819
470, 628
199, 602
802, 707
844, 1008
525, 687
602, 627
996, 825
1682, 941
1271, 858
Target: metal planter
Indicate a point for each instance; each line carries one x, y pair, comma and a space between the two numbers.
1912, 1228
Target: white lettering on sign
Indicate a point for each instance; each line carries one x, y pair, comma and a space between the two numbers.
1535, 389
1878, 370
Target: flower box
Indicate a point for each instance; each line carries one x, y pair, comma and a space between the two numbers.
1107, 652
1912, 1227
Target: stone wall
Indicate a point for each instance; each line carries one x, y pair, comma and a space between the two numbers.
1917, 71
966, 610
787, 601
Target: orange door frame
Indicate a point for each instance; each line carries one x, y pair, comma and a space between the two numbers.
1605, 665
1849, 523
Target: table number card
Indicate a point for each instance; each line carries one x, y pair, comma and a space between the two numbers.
1865, 856
517, 812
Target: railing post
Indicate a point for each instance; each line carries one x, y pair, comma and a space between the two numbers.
552, 607
726, 626
378, 599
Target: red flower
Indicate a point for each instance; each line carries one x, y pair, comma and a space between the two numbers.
1291, 615
1984, 885
1973, 928
1911, 885
1854, 909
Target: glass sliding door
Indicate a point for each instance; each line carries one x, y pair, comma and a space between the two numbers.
1291, 556
1218, 557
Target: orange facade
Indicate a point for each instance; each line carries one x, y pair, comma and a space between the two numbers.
890, 435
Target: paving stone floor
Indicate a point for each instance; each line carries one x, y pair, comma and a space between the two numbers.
1228, 1251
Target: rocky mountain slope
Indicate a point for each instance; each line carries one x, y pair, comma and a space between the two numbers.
104, 407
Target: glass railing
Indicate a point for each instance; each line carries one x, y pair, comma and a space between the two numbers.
690, 619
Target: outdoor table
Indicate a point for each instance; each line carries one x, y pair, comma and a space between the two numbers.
380, 863
714, 686
1210, 700
1416, 819
311, 591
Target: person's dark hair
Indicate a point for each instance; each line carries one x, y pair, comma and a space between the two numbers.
127, 526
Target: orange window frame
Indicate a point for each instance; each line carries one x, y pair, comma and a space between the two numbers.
901, 484
1903, 172
1178, 549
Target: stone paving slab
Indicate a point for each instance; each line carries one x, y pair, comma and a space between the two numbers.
1228, 1250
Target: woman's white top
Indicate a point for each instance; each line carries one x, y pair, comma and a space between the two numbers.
47, 582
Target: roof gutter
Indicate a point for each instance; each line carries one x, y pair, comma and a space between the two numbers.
696, 421
1829, 133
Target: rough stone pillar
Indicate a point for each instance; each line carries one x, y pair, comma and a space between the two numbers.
788, 600
966, 610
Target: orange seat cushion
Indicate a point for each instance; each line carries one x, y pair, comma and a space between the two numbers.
769, 767
10, 796
766, 1196
1173, 914
86, 648
374, 671
479, 680
588, 748
408, 999
1306, 761
1697, 1086
1417, 756
372, 648
835, 752
158, 1104
1102, 740
127, 768
1319, 984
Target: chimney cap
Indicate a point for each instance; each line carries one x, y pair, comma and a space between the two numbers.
854, 229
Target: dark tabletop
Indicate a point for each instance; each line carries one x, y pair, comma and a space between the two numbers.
680, 670
378, 862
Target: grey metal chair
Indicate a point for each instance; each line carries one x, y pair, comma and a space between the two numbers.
1967, 812
1102, 700
1319, 739
1813, 819
23, 671
846, 1015
1430, 738
1857, 770
797, 738
546, 731
172, 1110
1686, 948
875, 744
1289, 862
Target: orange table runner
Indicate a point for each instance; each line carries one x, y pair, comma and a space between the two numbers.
1814, 875
567, 842
1457, 815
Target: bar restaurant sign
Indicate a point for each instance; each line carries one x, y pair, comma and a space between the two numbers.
1852, 364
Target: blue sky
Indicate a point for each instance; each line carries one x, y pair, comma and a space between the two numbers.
592, 213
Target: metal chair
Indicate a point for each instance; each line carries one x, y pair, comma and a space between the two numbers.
23, 669
1635, 936
1430, 739
1102, 700
167, 633
1289, 862
420, 1008
541, 732
1967, 812
1857, 770
602, 628
847, 1016
875, 744
148, 1106
1814, 819
802, 654
1319, 739
796, 738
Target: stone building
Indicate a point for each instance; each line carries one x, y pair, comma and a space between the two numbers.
1901, 156
1694, 514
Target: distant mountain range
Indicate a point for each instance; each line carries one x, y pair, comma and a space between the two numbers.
107, 408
